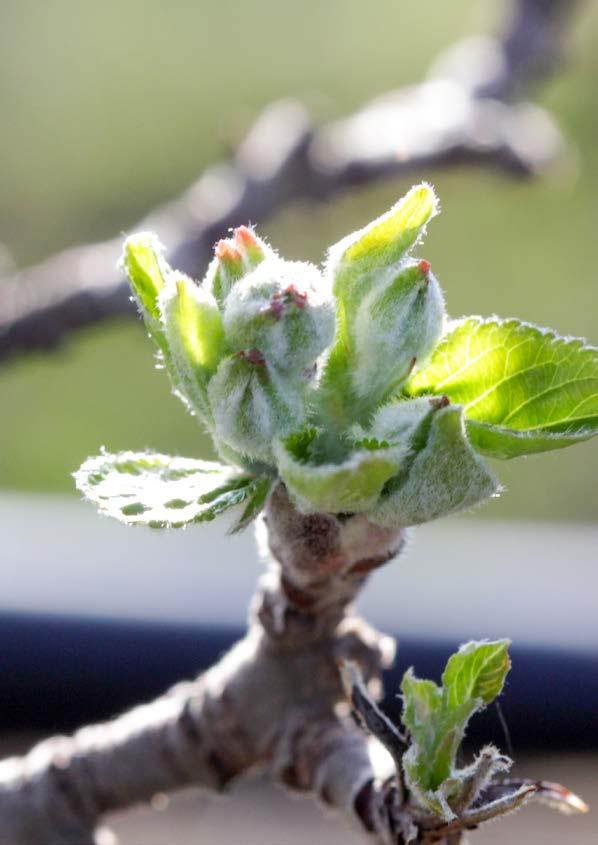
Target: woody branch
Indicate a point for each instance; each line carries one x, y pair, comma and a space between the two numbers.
275, 701
468, 112
272, 702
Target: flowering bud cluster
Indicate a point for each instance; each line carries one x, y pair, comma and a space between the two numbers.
300, 373
241, 347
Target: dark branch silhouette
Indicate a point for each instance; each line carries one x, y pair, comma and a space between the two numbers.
468, 112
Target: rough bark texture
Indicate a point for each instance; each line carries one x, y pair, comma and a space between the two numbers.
281, 700
275, 700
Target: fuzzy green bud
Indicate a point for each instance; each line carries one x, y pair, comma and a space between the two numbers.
283, 309
252, 404
397, 325
370, 264
234, 258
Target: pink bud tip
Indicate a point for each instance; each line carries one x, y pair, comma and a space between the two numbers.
296, 296
424, 266
225, 251
245, 238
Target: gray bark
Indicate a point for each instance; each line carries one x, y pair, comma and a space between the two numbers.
275, 701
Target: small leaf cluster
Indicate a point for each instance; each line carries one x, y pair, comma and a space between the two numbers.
432, 798
436, 717
347, 383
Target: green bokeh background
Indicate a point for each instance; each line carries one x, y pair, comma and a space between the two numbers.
109, 108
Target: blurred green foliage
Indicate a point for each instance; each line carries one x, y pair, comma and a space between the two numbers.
109, 108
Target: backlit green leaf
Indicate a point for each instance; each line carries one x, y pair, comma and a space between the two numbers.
523, 389
161, 491
477, 671
143, 261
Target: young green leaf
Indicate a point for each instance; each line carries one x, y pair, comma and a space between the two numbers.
145, 265
380, 245
154, 288
257, 496
436, 730
436, 718
444, 474
161, 491
401, 421
523, 389
195, 336
477, 671
355, 266
351, 485
422, 705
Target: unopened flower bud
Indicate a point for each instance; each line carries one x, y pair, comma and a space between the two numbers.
281, 308
252, 404
233, 258
397, 324
252, 249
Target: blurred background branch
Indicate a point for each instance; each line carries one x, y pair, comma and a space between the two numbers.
469, 111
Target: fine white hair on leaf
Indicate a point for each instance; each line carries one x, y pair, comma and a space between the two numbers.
353, 485
337, 251
284, 309
447, 475
193, 329
396, 328
252, 404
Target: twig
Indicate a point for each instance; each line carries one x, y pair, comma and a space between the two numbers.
370, 716
465, 114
